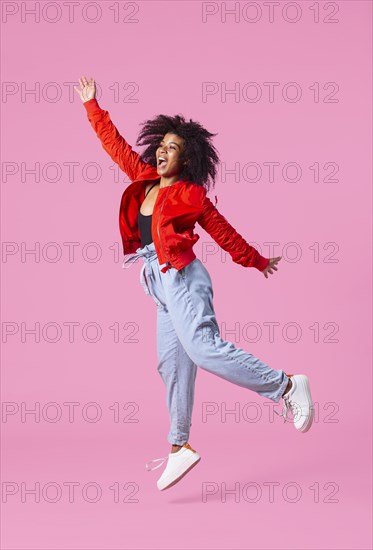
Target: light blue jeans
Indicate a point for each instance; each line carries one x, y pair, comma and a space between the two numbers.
188, 337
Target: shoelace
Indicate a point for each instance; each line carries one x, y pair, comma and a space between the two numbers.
285, 409
289, 405
163, 459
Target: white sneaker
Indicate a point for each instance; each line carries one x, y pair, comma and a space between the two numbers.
299, 400
179, 464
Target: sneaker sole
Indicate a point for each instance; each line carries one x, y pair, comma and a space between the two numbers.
173, 482
303, 381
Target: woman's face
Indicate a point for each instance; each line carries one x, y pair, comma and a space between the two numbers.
171, 149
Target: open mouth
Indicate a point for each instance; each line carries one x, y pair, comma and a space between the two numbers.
162, 161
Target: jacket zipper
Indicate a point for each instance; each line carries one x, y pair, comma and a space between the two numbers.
159, 237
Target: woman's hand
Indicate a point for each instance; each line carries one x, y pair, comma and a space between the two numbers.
270, 266
87, 89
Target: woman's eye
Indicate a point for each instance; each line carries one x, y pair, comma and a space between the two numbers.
171, 146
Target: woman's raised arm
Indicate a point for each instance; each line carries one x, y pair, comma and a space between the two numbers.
114, 144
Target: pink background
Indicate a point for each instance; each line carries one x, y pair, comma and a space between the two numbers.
169, 53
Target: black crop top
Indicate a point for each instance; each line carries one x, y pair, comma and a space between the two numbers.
145, 225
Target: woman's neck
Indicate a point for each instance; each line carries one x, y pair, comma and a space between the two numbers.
165, 182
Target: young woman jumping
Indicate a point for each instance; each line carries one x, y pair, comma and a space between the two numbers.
158, 212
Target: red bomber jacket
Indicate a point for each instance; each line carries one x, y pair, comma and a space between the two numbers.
176, 210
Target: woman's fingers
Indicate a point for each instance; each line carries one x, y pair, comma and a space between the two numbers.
274, 261
82, 82
86, 87
269, 269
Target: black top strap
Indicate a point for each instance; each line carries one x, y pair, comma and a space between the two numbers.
151, 188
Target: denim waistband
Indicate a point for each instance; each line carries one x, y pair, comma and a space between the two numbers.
148, 253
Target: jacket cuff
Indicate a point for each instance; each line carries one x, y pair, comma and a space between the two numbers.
261, 262
92, 105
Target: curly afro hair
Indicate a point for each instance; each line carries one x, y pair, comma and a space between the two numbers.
198, 149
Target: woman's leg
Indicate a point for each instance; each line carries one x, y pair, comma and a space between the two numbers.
178, 373
189, 295
177, 370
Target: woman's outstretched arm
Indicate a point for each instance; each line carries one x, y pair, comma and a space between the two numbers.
114, 144
225, 235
